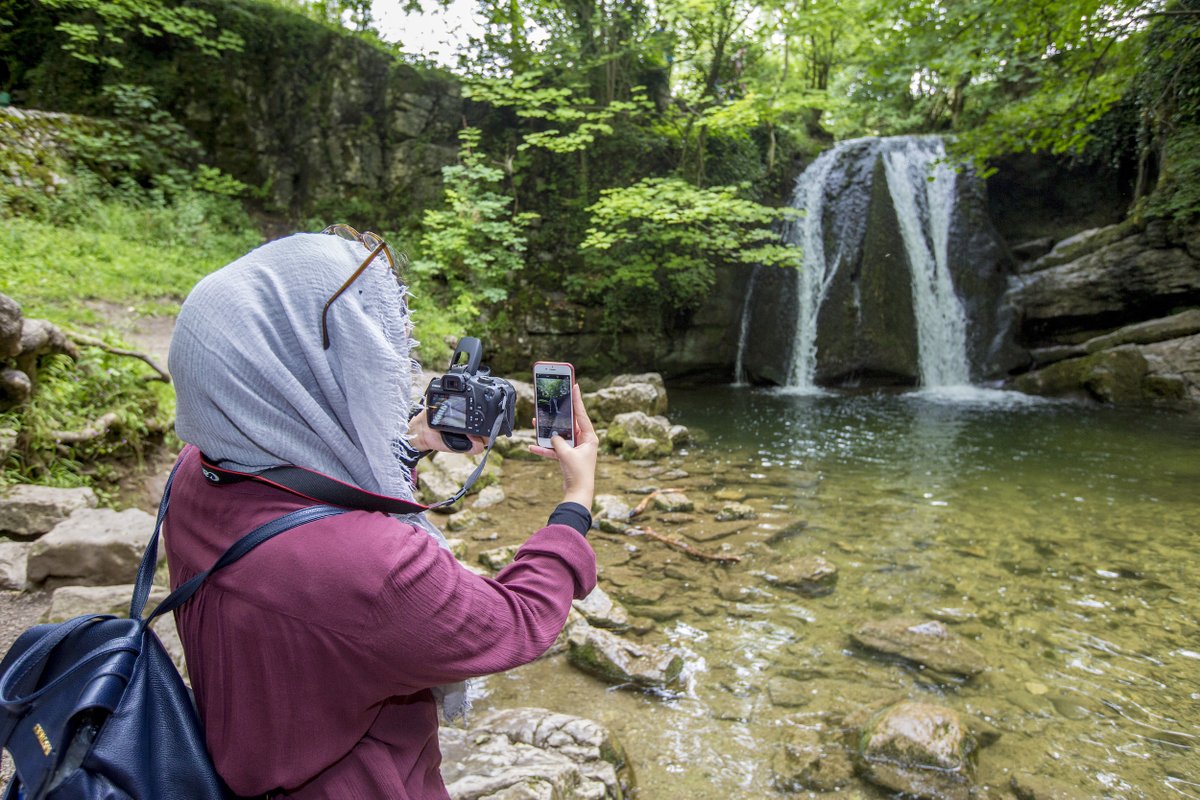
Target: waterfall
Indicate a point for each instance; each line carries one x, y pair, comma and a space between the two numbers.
739, 366
811, 278
880, 303
922, 190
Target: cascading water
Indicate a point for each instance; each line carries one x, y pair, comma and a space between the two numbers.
922, 186
874, 300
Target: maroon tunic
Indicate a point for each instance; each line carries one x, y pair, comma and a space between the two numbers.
312, 657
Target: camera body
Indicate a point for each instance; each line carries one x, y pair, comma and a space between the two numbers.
467, 399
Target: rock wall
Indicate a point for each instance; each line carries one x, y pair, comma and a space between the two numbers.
1113, 314
309, 115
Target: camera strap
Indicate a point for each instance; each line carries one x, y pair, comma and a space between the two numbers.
315, 486
320, 488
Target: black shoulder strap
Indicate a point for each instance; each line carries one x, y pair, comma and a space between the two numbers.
320, 488
314, 486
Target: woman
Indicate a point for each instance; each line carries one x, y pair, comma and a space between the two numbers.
318, 661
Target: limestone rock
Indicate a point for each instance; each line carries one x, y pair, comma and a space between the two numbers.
925, 642
74, 601
788, 692
1166, 372
1110, 282
461, 520
732, 511
619, 661
673, 503
609, 506
459, 466
489, 496
527, 753
525, 405
517, 446
637, 435
645, 393
601, 611
15, 388
93, 547
1175, 326
13, 559
920, 749
34, 510
499, 557
812, 576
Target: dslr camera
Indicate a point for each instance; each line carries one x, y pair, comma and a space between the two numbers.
467, 400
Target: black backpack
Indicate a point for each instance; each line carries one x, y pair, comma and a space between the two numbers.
94, 707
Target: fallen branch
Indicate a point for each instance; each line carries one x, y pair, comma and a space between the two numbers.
99, 428
91, 341
684, 547
642, 506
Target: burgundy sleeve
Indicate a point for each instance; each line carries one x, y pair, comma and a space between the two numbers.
439, 622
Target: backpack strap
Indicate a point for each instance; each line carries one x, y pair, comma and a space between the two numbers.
241, 547
268, 530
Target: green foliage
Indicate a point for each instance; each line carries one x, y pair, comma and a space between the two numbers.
72, 396
578, 120
1009, 77
1177, 195
656, 245
96, 28
471, 249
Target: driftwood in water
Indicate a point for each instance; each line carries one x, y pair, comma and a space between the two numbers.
684, 547
642, 506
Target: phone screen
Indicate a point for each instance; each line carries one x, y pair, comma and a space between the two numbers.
553, 395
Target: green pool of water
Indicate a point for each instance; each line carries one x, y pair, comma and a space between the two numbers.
1059, 540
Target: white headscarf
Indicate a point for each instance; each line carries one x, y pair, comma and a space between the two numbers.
256, 389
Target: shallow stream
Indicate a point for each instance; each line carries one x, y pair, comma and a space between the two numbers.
1059, 540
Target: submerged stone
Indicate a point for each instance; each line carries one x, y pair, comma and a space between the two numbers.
732, 511
498, 558
925, 642
804, 763
811, 576
673, 502
600, 610
920, 749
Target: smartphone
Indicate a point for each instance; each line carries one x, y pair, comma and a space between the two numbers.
553, 401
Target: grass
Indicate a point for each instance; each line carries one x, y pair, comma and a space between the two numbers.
142, 254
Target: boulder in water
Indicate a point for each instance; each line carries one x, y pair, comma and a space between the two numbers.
925, 642
619, 661
919, 749
811, 576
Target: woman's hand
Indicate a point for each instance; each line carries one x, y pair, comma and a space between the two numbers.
424, 437
578, 463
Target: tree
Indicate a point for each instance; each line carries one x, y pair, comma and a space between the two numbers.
655, 246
